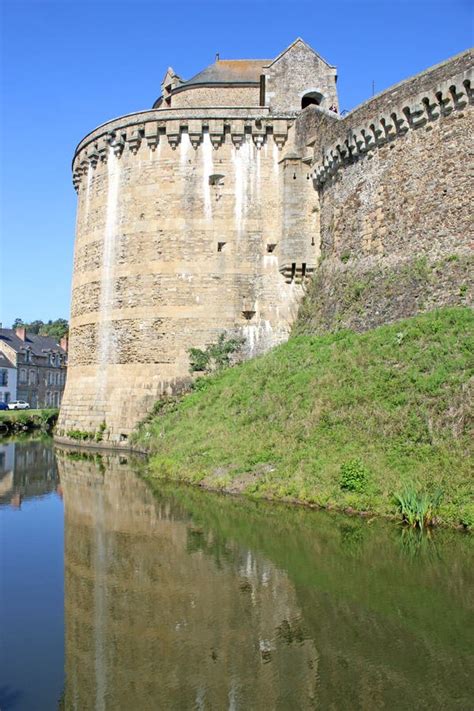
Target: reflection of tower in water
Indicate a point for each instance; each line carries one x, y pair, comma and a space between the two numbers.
163, 614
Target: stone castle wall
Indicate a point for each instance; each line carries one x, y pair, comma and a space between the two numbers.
308, 72
395, 193
193, 222
182, 233
216, 96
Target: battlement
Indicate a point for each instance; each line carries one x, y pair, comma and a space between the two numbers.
199, 218
151, 128
394, 188
333, 141
408, 113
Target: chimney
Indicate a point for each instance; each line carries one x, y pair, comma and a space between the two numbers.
64, 343
21, 332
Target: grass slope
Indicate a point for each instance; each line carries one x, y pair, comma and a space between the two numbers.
282, 425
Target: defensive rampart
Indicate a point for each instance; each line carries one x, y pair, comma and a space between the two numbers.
395, 193
190, 223
197, 221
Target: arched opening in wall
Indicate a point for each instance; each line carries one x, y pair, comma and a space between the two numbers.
312, 98
216, 179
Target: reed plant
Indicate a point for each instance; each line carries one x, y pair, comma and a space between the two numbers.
418, 508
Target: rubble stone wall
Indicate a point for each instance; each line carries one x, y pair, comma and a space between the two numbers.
395, 194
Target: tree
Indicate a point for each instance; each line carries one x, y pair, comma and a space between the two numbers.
56, 329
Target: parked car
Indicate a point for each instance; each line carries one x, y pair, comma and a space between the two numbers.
3, 406
18, 405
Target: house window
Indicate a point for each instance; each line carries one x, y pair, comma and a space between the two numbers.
32, 377
4, 377
22, 375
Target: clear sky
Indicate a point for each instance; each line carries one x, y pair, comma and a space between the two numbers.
69, 66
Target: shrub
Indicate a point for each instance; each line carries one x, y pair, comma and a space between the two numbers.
99, 435
354, 476
215, 356
198, 360
79, 435
466, 518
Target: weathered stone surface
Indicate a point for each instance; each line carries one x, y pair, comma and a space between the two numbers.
194, 221
168, 256
396, 225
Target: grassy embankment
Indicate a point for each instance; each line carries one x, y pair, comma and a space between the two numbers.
26, 420
343, 421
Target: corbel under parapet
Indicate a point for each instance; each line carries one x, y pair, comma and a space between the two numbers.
448, 96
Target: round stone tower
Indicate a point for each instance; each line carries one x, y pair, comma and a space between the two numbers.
194, 218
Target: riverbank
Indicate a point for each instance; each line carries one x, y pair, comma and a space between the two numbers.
13, 421
344, 421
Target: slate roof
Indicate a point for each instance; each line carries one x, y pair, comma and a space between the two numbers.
5, 363
37, 344
230, 71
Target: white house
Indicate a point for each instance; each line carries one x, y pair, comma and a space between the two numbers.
8, 379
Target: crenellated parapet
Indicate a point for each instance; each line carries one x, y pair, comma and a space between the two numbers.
199, 217
152, 127
409, 114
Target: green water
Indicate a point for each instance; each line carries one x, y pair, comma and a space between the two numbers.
181, 599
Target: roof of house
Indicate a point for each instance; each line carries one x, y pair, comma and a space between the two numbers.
5, 363
39, 345
230, 71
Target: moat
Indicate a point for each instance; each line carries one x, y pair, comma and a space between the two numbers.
117, 598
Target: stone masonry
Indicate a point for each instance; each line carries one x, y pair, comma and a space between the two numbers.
394, 181
208, 213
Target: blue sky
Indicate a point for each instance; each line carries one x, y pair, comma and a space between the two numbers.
68, 66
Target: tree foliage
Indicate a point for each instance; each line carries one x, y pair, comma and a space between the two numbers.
56, 329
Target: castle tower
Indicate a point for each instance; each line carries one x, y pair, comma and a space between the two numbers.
194, 218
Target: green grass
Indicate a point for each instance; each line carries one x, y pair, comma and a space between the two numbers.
20, 414
28, 419
389, 407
